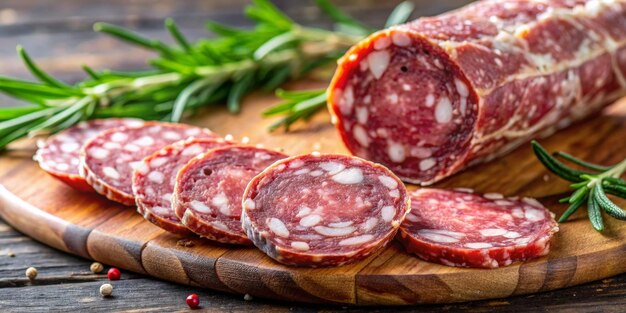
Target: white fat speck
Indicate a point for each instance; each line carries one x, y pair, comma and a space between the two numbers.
429, 101
349, 176
192, 131
167, 197
310, 220
144, 141
356, 240
412, 218
119, 137
393, 98
493, 196
68, 147
316, 154
517, 212
463, 106
388, 181
341, 224
443, 111
427, 164
265, 156
363, 65
378, 62
400, 39
420, 152
316, 173
98, 153
382, 43
394, 193
347, 101
478, 245
367, 99
111, 145
332, 167
406, 87
278, 227
200, 207
334, 232
532, 202
303, 211
302, 171
444, 232
461, 88
131, 147
512, 234
140, 167
160, 210
300, 245
245, 140
522, 241
193, 150
466, 190
228, 137
156, 177
396, 152
361, 136
111, 172
369, 224
534, 215
221, 202
387, 213
249, 204
490, 232
362, 115
62, 167
436, 237
158, 162
220, 225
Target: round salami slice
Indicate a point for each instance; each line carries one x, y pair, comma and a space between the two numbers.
154, 180
58, 155
459, 228
321, 210
209, 189
108, 159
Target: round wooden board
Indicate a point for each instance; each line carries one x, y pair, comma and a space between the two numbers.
92, 227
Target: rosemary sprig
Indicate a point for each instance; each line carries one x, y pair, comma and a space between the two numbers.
185, 75
590, 185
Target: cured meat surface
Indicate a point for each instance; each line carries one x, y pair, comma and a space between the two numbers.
320, 210
59, 154
459, 228
209, 189
153, 185
435, 95
107, 160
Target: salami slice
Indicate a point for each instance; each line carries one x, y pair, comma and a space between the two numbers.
108, 159
153, 185
438, 94
209, 189
321, 210
458, 228
58, 155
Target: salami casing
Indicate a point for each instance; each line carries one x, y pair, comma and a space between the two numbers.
59, 154
463, 229
154, 180
108, 159
321, 210
209, 189
435, 95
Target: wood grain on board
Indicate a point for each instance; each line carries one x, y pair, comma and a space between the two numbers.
92, 227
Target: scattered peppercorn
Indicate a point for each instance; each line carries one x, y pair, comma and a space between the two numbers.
106, 290
193, 301
247, 297
114, 274
31, 273
96, 267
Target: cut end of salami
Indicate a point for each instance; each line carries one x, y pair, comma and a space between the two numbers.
59, 154
107, 160
322, 210
463, 229
433, 96
154, 180
208, 192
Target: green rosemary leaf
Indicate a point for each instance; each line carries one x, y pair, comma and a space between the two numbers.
222, 30
123, 34
605, 203
564, 200
62, 116
619, 191
342, 18
11, 84
183, 98
400, 14
14, 112
572, 209
238, 91
615, 181
168, 65
274, 44
265, 11
595, 215
578, 194
75, 118
28, 118
579, 185
93, 74
176, 34
5, 139
40, 74
278, 77
580, 162
313, 103
555, 165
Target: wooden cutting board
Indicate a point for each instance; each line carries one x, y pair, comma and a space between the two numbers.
92, 227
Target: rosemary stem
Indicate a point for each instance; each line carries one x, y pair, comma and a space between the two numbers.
615, 172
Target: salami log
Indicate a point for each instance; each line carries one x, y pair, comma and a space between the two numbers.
108, 159
208, 192
154, 180
59, 154
321, 210
459, 228
435, 95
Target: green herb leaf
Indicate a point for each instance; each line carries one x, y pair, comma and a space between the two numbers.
400, 14
555, 165
595, 215
605, 203
574, 206
580, 162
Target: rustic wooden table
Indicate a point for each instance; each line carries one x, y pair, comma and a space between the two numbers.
58, 34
